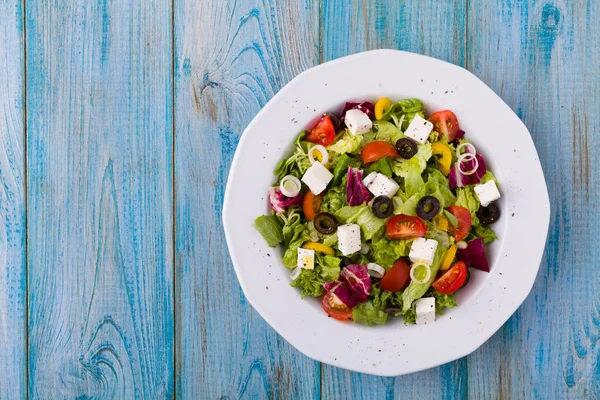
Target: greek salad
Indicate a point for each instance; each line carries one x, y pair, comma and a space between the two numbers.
381, 211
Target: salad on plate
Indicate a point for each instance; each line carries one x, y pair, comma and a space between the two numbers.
381, 211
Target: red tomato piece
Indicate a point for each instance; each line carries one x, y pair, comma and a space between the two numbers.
446, 123
405, 227
322, 133
396, 278
377, 150
464, 218
311, 205
335, 308
452, 280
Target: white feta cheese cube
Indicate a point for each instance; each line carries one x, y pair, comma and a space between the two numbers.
349, 239
383, 186
317, 177
306, 258
419, 129
425, 309
357, 122
423, 250
487, 192
369, 178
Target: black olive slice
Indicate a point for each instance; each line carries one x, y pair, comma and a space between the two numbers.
326, 223
428, 207
488, 215
383, 207
406, 148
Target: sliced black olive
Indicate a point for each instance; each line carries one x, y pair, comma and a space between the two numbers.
406, 148
488, 215
335, 121
428, 207
346, 261
383, 207
326, 223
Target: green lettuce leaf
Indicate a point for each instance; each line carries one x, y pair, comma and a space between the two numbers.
270, 229
415, 290
364, 217
329, 267
386, 252
309, 282
383, 165
334, 199
442, 301
412, 169
347, 143
388, 132
436, 186
484, 232
299, 236
341, 169
299, 162
368, 314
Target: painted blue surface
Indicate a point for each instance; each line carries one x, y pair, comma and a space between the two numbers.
118, 123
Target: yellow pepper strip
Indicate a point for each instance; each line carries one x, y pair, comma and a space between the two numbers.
441, 222
382, 106
445, 161
321, 248
449, 257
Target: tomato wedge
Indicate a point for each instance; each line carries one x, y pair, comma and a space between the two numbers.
335, 308
464, 218
452, 280
405, 227
446, 123
311, 205
377, 150
396, 278
322, 133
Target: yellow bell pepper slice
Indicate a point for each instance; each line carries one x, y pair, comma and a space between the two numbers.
382, 106
441, 222
320, 247
449, 257
445, 161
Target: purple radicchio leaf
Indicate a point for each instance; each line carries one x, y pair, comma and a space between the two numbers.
356, 192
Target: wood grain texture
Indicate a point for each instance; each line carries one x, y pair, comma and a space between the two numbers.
429, 27
100, 255
13, 342
231, 57
542, 57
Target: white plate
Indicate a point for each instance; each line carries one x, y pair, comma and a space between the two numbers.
484, 305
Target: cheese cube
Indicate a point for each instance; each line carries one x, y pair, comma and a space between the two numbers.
317, 177
349, 239
419, 129
383, 186
357, 122
423, 250
306, 258
369, 178
425, 308
487, 192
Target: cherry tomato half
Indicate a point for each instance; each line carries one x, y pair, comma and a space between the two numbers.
335, 308
322, 133
377, 150
396, 278
405, 227
464, 218
445, 122
311, 205
452, 280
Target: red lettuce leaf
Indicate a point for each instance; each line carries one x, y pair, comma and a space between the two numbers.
356, 192
365, 106
359, 281
279, 202
342, 292
458, 179
474, 255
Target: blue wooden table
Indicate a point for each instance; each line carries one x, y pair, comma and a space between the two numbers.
118, 123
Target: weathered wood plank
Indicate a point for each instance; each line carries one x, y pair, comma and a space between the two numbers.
231, 57
428, 27
100, 244
13, 322
542, 58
